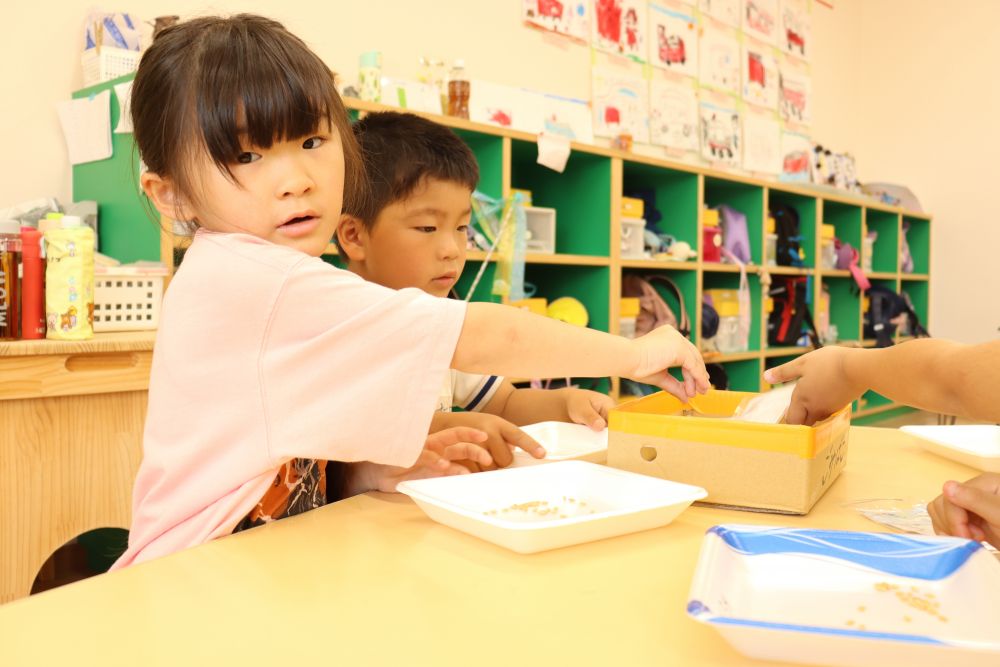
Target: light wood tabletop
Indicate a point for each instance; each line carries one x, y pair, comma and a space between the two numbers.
372, 581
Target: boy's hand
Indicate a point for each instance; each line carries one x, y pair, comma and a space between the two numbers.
662, 348
440, 457
970, 510
824, 386
589, 408
501, 437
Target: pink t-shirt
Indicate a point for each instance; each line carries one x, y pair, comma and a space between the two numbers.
266, 354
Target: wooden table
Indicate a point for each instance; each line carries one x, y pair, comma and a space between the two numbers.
71, 419
372, 581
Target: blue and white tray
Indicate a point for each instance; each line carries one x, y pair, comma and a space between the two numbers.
829, 597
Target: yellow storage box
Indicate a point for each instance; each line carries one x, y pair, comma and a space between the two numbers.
764, 467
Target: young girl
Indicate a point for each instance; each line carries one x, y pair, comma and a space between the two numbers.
270, 362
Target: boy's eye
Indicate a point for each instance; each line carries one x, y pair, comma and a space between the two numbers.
427, 230
313, 142
462, 228
247, 157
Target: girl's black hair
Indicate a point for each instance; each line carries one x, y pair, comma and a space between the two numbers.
208, 83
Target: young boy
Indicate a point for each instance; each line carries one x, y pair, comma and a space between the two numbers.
412, 233
932, 374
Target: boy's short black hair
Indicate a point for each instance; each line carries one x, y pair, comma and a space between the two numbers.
399, 152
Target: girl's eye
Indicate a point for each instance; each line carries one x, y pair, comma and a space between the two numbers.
247, 157
427, 230
462, 228
313, 142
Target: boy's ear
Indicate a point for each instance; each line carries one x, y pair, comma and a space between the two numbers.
165, 197
352, 237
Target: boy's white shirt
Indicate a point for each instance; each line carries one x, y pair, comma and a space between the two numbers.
468, 391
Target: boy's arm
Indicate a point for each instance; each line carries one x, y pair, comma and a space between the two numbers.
512, 342
935, 375
530, 406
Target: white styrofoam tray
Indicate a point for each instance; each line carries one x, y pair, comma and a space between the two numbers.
536, 508
974, 445
830, 597
563, 442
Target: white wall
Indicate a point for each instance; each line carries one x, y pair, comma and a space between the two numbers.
888, 76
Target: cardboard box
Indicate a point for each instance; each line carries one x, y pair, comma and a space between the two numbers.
763, 467
633, 208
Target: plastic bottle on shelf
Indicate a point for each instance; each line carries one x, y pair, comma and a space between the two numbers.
771, 243
828, 247
867, 251
458, 90
32, 285
69, 280
711, 241
10, 260
370, 76
628, 312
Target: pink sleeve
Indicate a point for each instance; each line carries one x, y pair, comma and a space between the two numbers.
350, 370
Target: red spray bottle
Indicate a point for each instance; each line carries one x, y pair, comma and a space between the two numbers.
32, 287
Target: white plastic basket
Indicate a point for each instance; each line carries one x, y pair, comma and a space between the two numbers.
127, 298
108, 63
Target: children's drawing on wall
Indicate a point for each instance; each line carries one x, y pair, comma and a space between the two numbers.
760, 74
567, 117
619, 26
620, 99
673, 113
727, 11
673, 37
794, 35
566, 17
506, 106
720, 133
761, 142
793, 93
760, 20
796, 157
719, 64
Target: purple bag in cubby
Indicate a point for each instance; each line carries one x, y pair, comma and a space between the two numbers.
735, 237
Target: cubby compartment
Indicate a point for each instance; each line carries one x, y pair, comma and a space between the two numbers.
885, 251
731, 281
845, 307
805, 207
919, 293
687, 284
746, 198
587, 284
744, 375
581, 196
918, 238
488, 150
674, 195
484, 288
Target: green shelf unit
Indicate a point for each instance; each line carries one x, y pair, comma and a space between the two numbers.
588, 284
128, 225
806, 208
484, 288
918, 237
335, 260
773, 362
687, 283
885, 253
919, 293
873, 400
731, 281
581, 196
488, 150
845, 307
847, 221
744, 375
676, 194
744, 197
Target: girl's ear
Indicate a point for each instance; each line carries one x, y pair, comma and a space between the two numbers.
352, 237
166, 197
